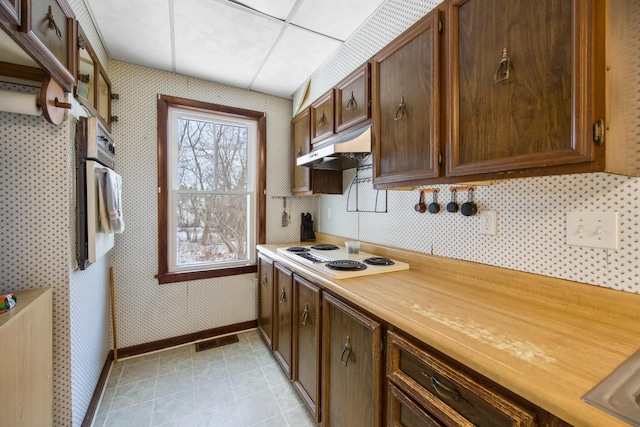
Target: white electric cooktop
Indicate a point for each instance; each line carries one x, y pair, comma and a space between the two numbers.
321, 258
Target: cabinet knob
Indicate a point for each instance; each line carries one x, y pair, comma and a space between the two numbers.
502, 73
323, 119
352, 105
346, 351
441, 389
52, 23
400, 110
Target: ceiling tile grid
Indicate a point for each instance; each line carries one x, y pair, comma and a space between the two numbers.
205, 49
137, 32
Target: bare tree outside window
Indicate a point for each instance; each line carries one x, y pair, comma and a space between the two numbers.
211, 206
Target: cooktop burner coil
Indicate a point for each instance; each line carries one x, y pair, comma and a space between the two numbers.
346, 265
324, 247
298, 249
378, 261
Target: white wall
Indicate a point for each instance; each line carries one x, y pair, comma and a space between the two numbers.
531, 212
145, 310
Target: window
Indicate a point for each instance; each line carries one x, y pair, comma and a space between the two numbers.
211, 180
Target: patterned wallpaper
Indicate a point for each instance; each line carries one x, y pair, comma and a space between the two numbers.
37, 230
145, 310
531, 212
34, 226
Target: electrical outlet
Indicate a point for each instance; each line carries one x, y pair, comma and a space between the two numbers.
593, 229
488, 222
329, 213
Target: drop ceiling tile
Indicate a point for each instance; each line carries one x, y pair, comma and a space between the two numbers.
137, 32
222, 43
335, 18
277, 8
297, 55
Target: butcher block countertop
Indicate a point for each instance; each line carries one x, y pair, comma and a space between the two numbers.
548, 340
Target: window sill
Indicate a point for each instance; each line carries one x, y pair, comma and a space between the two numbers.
184, 276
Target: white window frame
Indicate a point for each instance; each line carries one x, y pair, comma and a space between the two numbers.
174, 114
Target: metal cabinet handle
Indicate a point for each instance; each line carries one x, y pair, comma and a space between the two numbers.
300, 152
502, 73
264, 280
52, 23
305, 314
352, 102
400, 110
323, 119
346, 351
442, 389
282, 296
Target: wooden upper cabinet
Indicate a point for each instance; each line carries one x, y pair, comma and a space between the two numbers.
520, 85
93, 89
406, 106
49, 31
322, 118
353, 99
11, 11
306, 181
300, 145
265, 299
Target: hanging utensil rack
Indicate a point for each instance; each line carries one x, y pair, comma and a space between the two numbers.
359, 179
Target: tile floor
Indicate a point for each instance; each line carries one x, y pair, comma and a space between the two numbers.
235, 385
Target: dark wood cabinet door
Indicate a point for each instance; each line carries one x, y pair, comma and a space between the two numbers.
283, 304
11, 11
519, 84
351, 367
300, 145
406, 107
265, 299
50, 30
306, 342
353, 99
322, 118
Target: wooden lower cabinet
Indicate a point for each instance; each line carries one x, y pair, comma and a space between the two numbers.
306, 343
351, 366
26, 384
282, 311
265, 299
404, 412
446, 394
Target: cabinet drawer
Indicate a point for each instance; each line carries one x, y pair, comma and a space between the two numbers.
404, 412
447, 393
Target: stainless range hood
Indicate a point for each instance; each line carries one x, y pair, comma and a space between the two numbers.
342, 152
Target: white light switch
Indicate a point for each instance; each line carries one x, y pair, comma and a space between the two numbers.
593, 229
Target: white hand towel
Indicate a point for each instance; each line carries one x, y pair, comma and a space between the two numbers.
103, 217
113, 197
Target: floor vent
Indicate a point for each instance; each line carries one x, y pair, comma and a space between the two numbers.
216, 342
